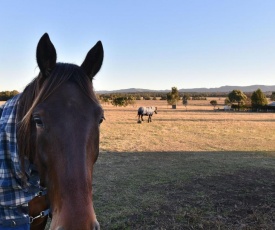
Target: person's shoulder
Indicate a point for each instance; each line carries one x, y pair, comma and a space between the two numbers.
9, 105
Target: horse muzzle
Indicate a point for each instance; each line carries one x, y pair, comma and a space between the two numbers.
76, 220
94, 226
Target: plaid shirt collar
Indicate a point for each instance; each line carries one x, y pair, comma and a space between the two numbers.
14, 195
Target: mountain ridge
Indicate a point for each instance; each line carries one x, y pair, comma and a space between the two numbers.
222, 89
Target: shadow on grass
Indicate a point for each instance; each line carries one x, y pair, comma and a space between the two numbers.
157, 119
185, 190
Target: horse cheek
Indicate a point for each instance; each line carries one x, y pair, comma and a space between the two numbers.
42, 156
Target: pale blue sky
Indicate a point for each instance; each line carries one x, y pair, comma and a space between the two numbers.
152, 44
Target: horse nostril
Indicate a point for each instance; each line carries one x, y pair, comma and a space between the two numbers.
96, 226
60, 228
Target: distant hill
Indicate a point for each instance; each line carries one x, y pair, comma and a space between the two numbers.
130, 90
227, 88
222, 89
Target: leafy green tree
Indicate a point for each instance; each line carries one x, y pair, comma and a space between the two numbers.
123, 101
173, 96
131, 100
227, 101
258, 98
118, 101
237, 96
214, 103
147, 97
104, 99
272, 97
185, 99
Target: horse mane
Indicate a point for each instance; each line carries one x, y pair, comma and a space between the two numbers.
38, 91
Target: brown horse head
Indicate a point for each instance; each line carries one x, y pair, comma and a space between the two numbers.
59, 133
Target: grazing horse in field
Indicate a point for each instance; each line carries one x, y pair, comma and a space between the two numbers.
49, 144
146, 111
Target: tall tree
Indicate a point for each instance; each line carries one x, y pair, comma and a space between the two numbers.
272, 96
237, 96
227, 101
185, 99
214, 103
258, 98
173, 96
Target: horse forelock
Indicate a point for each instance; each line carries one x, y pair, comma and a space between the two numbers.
38, 91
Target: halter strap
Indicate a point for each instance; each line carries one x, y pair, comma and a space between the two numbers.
44, 213
41, 215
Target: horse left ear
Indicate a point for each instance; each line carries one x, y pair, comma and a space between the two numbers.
93, 61
45, 55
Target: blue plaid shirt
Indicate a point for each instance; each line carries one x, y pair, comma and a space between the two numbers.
14, 194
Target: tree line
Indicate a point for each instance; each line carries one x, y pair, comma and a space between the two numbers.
255, 101
6, 95
236, 98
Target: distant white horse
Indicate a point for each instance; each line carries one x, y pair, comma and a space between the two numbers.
146, 111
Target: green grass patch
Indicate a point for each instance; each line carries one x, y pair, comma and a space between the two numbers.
185, 190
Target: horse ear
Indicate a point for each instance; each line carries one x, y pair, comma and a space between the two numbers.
45, 55
93, 61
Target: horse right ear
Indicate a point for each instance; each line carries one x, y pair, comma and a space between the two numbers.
93, 61
45, 55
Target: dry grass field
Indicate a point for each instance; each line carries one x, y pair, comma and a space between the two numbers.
199, 128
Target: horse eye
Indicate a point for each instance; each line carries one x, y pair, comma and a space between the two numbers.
101, 120
38, 121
